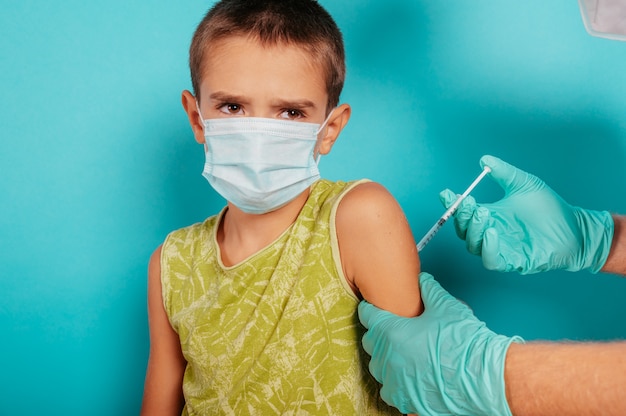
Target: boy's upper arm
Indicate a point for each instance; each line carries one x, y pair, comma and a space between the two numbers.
162, 335
378, 250
166, 364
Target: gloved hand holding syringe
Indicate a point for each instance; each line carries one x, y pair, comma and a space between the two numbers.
450, 211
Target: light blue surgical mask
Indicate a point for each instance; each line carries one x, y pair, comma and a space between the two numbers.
260, 164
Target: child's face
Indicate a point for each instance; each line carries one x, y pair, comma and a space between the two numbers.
244, 78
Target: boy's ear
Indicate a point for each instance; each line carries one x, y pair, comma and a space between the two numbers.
336, 123
190, 106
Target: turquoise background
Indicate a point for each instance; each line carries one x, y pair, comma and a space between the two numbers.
98, 164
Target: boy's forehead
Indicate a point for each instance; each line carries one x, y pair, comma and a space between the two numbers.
242, 65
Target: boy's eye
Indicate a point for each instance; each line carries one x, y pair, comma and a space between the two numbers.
233, 109
292, 114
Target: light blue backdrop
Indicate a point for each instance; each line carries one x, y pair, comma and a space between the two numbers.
98, 164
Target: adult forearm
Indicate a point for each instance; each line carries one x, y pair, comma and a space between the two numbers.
616, 261
566, 379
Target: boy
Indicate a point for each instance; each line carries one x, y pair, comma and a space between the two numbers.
253, 311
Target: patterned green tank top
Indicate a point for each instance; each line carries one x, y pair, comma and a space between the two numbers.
278, 333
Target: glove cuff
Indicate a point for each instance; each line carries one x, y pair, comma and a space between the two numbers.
598, 228
487, 391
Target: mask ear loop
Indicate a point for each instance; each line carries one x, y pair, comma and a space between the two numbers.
206, 148
319, 155
200, 113
325, 121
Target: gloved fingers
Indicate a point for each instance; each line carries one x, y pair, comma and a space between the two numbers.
372, 317
477, 225
463, 216
491, 253
427, 281
374, 367
510, 178
464, 212
447, 198
368, 313
390, 395
435, 297
431, 290
369, 316
386, 393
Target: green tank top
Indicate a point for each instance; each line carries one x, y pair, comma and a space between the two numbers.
277, 333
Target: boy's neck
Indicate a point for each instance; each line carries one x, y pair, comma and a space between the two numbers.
240, 235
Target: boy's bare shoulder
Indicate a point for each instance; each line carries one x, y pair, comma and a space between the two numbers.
369, 219
369, 202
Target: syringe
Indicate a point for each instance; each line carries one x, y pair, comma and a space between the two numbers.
431, 233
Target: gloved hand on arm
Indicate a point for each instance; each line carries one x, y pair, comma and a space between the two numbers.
531, 229
444, 362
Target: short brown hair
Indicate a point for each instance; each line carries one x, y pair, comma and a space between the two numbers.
299, 22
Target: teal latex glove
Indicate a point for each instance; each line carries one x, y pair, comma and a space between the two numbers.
532, 229
444, 362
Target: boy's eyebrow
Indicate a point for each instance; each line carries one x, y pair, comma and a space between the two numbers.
281, 103
299, 104
227, 98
